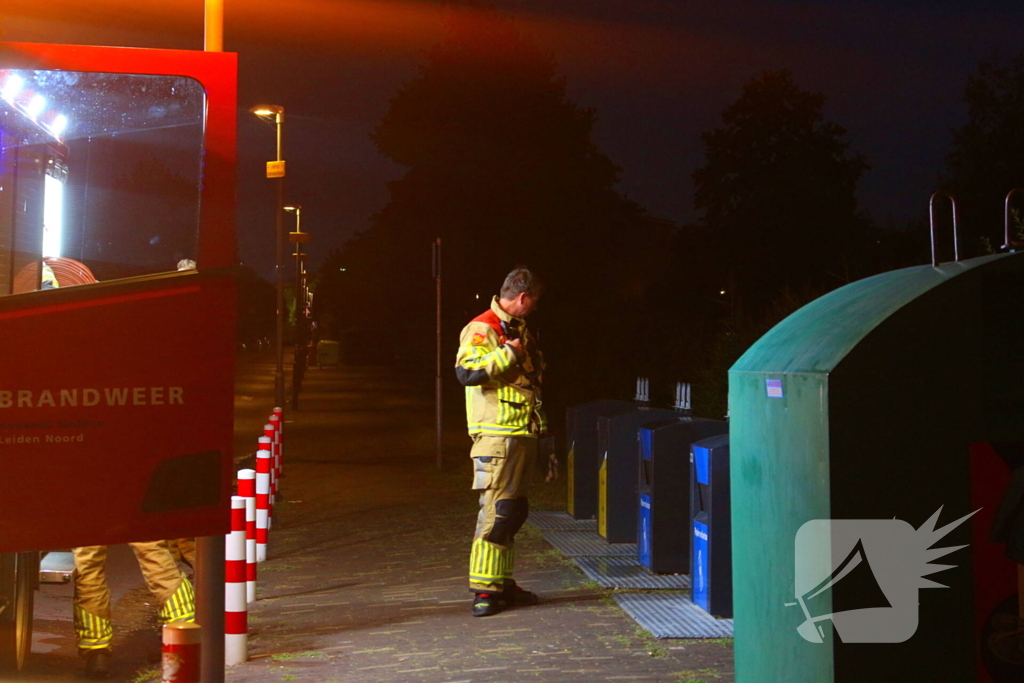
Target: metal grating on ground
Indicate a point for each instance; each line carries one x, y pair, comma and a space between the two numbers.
558, 520
626, 572
584, 543
673, 615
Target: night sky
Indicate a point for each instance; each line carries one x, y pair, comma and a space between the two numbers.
657, 72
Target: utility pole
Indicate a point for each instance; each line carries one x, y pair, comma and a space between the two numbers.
301, 324
437, 379
276, 171
279, 260
210, 571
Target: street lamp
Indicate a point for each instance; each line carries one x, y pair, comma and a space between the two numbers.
276, 170
297, 210
301, 328
298, 238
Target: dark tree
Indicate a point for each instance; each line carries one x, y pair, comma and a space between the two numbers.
777, 194
257, 301
502, 167
987, 160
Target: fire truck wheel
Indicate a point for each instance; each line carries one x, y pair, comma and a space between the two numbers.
18, 575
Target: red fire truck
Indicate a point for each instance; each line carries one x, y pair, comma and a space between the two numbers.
116, 385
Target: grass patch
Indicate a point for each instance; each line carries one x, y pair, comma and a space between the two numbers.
147, 675
549, 495
690, 673
529, 532
567, 562
650, 643
586, 585
287, 656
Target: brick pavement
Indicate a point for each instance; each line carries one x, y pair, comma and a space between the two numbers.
368, 556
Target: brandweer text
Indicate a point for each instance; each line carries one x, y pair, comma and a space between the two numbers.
64, 398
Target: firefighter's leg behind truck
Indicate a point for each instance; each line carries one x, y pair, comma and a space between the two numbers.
503, 469
169, 586
184, 550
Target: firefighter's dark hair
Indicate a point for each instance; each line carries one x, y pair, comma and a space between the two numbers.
521, 279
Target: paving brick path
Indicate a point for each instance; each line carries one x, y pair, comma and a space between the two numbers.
366, 576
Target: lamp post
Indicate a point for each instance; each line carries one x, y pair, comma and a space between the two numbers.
301, 330
276, 170
298, 238
209, 561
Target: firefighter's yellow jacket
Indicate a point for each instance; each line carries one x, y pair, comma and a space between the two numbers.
503, 394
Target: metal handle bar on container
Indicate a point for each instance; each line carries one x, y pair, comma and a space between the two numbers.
931, 220
1007, 242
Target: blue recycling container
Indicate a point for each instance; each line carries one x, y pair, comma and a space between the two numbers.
711, 542
663, 512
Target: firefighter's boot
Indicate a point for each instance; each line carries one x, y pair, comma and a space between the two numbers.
516, 595
488, 604
97, 663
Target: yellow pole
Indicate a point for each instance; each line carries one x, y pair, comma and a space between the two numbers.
214, 33
210, 552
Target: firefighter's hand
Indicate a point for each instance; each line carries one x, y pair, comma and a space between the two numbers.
547, 447
552, 474
517, 347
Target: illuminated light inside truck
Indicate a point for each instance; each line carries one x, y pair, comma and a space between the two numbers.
53, 215
100, 176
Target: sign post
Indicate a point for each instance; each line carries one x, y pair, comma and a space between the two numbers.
437, 379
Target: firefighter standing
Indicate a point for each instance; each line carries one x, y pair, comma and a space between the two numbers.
500, 365
169, 586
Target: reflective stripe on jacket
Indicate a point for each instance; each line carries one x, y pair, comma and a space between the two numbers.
502, 394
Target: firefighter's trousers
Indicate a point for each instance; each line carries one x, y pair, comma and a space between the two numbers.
165, 581
502, 471
184, 550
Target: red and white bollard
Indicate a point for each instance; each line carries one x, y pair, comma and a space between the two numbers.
267, 443
279, 414
278, 423
262, 503
236, 609
181, 652
247, 490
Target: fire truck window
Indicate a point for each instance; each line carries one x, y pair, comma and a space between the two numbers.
99, 176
